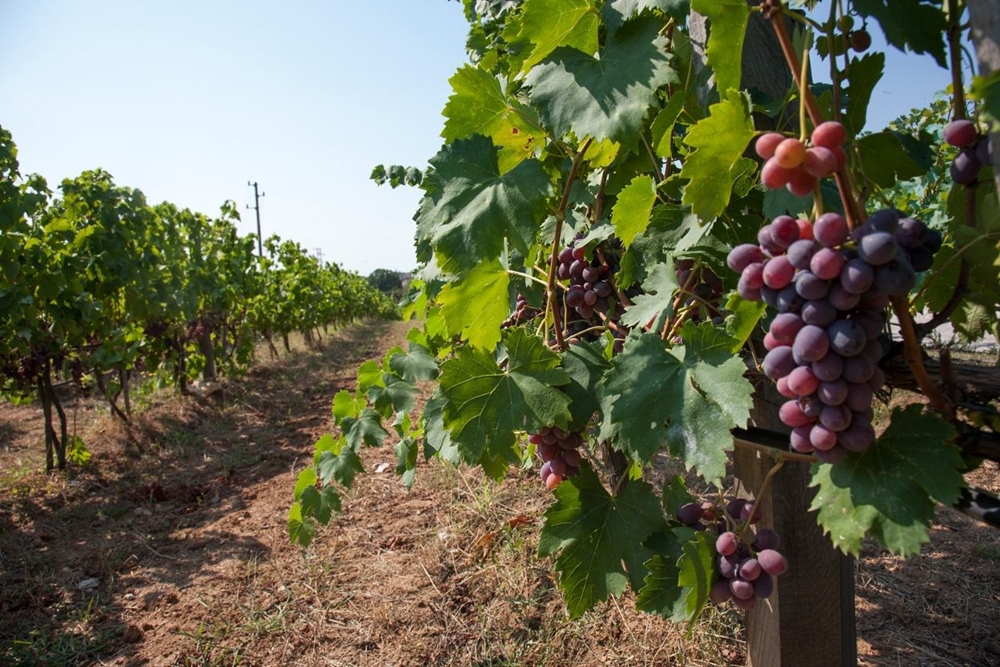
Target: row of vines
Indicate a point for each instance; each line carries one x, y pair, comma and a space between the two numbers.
643, 216
99, 286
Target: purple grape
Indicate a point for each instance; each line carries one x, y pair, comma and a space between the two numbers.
566, 256
835, 417
877, 248
726, 543
831, 456
741, 590
859, 368
984, 151
829, 368
785, 326
789, 300
809, 286
799, 439
767, 538
778, 272
911, 233
965, 166
822, 438
896, 278
801, 252
860, 395
576, 269
921, 258
811, 343
857, 437
846, 337
934, 240
749, 569
827, 263
779, 362
960, 133
818, 313
602, 288
857, 276
841, 299
763, 586
833, 393
591, 274
830, 229
689, 514
772, 562
884, 220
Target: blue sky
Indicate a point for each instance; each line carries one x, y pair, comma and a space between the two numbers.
188, 100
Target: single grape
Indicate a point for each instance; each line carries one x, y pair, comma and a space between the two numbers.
801, 183
785, 326
827, 263
545, 471
566, 256
779, 362
553, 481
810, 287
790, 153
774, 176
961, 133
749, 569
726, 543
834, 392
800, 252
831, 456
778, 272
921, 258
858, 368
877, 248
743, 255
799, 439
857, 437
830, 229
741, 590
984, 151
841, 299
861, 40
580, 253
830, 134
883, 220
766, 144
767, 538
557, 466
574, 297
576, 268
835, 417
734, 508
791, 414
591, 274
689, 514
965, 167
602, 288
818, 313
829, 368
763, 586
911, 233
820, 162
590, 297
896, 278
857, 276
847, 338
720, 592
860, 394
772, 562
802, 381
811, 343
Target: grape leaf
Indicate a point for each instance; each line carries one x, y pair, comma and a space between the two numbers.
549, 24
395, 394
630, 215
480, 105
365, 429
889, 156
585, 364
663, 125
909, 23
719, 140
697, 573
299, 530
986, 89
415, 365
471, 207
690, 396
863, 74
486, 286
742, 317
340, 467
598, 538
486, 404
616, 12
369, 375
657, 290
660, 593
725, 41
891, 489
608, 96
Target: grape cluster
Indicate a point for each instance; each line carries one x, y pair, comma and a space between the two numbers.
589, 288
791, 164
523, 312
560, 452
976, 150
830, 287
746, 571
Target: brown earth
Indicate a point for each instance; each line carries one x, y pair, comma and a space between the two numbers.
170, 548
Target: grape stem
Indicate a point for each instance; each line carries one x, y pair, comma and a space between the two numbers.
554, 259
773, 452
912, 355
954, 34
760, 494
852, 213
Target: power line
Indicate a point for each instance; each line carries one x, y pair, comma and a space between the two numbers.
256, 207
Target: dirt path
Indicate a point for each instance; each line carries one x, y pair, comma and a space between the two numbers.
173, 551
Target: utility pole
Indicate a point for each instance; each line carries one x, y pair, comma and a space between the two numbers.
256, 207
318, 253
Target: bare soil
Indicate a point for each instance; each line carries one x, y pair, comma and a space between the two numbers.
170, 548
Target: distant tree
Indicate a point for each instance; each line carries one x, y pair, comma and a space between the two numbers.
386, 281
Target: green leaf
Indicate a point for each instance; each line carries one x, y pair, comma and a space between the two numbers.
366, 429
481, 105
369, 375
345, 405
909, 24
697, 573
863, 74
340, 467
889, 156
891, 489
663, 126
486, 287
690, 397
486, 404
617, 12
416, 365
661, 594
406, 460
395, 395
608, 96
585, 364
742, 317
472, 206
298, 530
630, 215
719, 140
598, 538
986, 90
725, 40
549, 24
305, 479
655, 300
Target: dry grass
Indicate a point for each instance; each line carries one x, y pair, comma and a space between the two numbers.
181, 519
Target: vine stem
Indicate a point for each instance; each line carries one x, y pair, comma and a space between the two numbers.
777, 454
912, 355
760, 494
954, 34
554, 259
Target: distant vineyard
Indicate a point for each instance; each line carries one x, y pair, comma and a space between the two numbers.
99, 285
